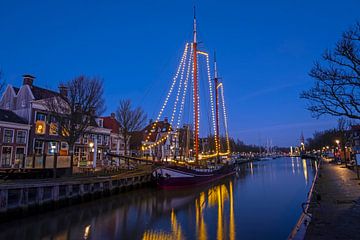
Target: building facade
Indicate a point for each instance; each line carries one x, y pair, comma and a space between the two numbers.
43, 136
14, 133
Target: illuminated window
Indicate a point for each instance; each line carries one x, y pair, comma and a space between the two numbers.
53, 130
65, 132
40, 127
52, 148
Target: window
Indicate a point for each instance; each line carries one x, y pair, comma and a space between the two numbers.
21, 136
6, 153
53, 130
52, 148
23, 103
64, 146
106, 140
40, 116
38, 147
40, 127
99, 139
85, 138
8, 136
100, 122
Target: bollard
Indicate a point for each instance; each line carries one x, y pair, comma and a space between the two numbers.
55, 165
44, 161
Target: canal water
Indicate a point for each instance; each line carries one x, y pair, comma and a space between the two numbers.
263, 201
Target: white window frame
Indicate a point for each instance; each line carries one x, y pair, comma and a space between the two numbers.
21, 130
11, 154
12, 138
42, 148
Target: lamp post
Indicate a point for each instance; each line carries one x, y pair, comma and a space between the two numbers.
337, 141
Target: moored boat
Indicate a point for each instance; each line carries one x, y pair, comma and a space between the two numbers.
173, 176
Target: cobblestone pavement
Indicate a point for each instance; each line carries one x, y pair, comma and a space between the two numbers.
337, 216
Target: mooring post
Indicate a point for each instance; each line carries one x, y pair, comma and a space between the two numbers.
55, 165
44, 161
23, 162
33, 161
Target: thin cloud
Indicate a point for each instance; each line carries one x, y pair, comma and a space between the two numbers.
297, 125
270, 90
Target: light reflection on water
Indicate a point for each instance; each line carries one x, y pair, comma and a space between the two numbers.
262, 201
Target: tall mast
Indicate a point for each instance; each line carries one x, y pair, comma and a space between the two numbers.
196, 99
217, 139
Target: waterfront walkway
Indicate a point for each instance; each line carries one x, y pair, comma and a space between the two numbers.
337, 215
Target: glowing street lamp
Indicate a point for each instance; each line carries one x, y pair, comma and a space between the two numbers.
337, 141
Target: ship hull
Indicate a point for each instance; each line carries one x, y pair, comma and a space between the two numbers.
175, 178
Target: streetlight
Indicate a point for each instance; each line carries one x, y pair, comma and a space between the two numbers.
337, 141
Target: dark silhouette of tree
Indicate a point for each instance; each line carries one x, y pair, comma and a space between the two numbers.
80, 101
130, 119
337, 79
328, 137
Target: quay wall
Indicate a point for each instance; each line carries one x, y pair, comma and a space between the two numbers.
19, 199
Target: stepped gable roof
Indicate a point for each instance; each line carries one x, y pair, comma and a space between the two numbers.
42, 93
9, 116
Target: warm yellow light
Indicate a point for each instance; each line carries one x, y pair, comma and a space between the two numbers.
91, 144
337, 141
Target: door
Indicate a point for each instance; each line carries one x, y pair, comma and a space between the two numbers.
19, 155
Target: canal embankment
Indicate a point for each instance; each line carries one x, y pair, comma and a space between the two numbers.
335, 210
28, 196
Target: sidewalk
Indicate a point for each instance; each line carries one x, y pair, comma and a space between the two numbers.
338, 214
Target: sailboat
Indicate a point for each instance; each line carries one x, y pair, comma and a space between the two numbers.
205, 168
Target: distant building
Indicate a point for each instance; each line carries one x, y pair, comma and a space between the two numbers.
151, 135
117, 143
14, 132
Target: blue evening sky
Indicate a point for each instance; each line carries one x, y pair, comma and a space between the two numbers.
265, 50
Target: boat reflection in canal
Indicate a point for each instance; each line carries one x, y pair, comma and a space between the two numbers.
263, 201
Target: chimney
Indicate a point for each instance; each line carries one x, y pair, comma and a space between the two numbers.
63, 90
112, 115
150, 121
28, 79
165, 119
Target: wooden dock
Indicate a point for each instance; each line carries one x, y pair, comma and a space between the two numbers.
19, 197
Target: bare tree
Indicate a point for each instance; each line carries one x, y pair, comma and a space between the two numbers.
79, 103
130, 120
337, 79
